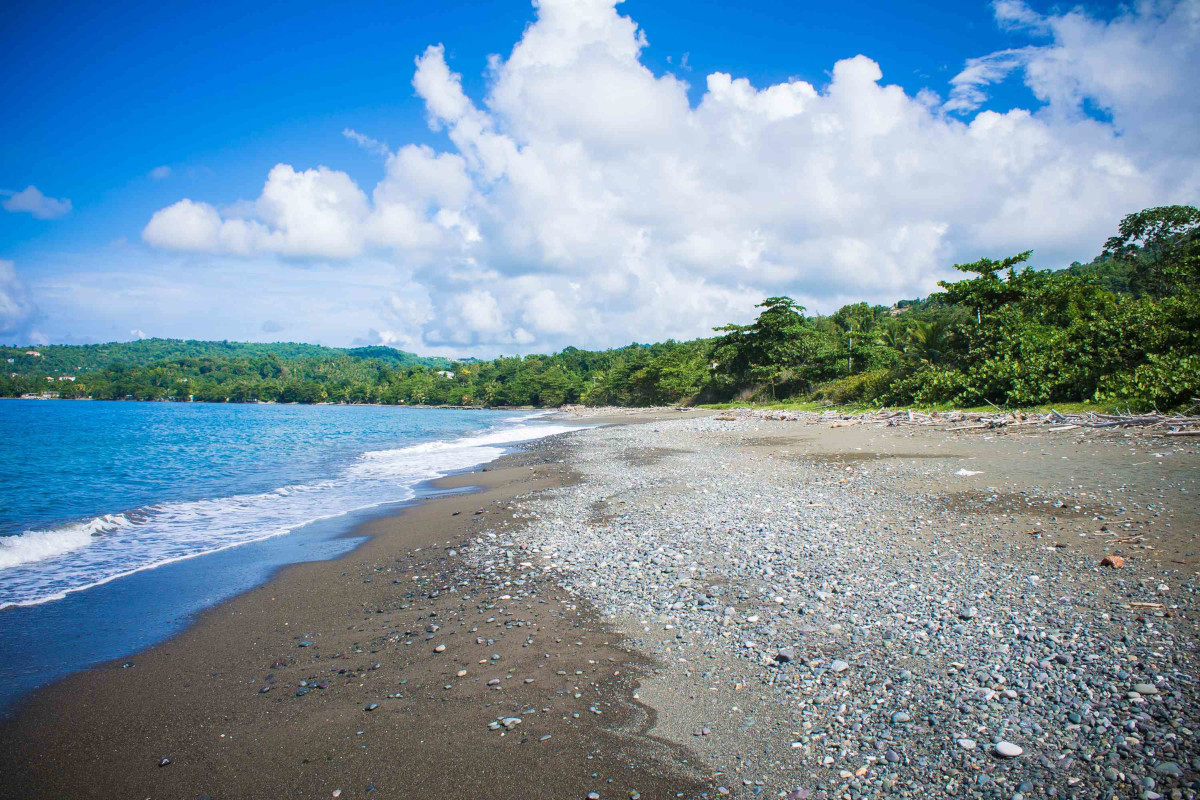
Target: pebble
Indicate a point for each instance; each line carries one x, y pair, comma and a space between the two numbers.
1008, 750
958, 624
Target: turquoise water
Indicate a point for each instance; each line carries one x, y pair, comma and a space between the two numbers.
119, 520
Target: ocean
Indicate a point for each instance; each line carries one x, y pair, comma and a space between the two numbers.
119, 521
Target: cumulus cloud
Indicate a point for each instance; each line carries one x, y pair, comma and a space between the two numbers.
17, 310
31, 201
585, 200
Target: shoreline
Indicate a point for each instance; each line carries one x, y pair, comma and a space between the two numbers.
701, 607
103, 732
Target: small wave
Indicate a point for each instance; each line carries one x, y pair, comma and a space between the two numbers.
39, 545
39, 566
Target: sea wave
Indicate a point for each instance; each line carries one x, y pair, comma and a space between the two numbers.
38, 545
43, 565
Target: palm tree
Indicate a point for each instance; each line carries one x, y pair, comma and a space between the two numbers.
928, 341
893, 336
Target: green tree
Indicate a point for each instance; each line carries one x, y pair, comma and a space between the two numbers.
768, 350
1161, 244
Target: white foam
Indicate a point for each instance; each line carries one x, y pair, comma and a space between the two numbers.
39, 566
39, 545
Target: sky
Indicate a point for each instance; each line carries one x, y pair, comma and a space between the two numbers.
478, 178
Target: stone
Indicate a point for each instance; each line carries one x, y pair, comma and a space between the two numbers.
1145, 688
837, 665
1008, 750
966, 744
785, 655
441, 648
1116, 562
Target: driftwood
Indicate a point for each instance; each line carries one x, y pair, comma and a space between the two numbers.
961, 421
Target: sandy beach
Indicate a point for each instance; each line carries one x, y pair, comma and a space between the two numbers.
692, 607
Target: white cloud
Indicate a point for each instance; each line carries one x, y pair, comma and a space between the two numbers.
139, 334
31, 201
366, 142
160, 173
586, 201
17, 310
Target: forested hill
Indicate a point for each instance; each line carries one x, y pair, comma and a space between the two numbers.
59, 359
1124, 329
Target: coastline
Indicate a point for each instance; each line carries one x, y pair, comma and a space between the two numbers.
195, 699
794, 609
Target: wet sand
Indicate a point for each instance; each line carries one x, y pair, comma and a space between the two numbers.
373, 619
1011, 504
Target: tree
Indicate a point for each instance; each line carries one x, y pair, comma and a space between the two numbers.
928, 341
768, 349
1161, 243
988, 291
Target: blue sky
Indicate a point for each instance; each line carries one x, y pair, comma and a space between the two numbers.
126, 110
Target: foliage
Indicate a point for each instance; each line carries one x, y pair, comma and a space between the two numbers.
1124, 329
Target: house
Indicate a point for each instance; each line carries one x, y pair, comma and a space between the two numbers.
11, 360
67, 378
33, 353
446, 373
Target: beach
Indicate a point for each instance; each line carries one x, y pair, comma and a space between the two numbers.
690, 605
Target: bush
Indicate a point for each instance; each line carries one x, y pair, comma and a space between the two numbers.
858, 388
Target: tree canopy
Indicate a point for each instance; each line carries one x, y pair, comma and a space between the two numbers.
1124, 328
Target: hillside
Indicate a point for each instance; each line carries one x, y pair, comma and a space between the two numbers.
61, 359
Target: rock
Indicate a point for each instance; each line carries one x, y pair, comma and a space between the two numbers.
968, 613
1145, 688
966, 744
1008, 750
785, 655
1116, 562
371, 707
441, 648
901, 718
1169, 768
837, 665
164, 761
510, 722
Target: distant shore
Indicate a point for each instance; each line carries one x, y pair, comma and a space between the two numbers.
692, 606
